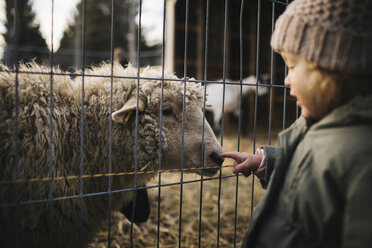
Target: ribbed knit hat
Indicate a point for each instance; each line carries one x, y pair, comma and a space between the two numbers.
334, 34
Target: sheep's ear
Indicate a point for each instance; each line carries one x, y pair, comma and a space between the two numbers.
122, 115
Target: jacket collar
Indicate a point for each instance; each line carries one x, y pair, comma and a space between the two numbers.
358, 110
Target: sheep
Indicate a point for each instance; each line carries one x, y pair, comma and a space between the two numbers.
72, 222
215, 93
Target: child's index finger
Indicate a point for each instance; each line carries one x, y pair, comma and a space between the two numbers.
233, 155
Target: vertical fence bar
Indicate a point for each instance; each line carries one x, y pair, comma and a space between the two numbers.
113, 2
256, 95
284, 100
16, 134
285, 93
240, 112
224, 76
297, 108
204, 105
50, 196
222, 124
82, 123
137, 120
240, 71
161, 122
271, 70
183, 120
297, 112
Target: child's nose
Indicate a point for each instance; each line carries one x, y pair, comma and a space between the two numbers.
287, 81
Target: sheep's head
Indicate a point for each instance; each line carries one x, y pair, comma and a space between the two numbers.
180, 108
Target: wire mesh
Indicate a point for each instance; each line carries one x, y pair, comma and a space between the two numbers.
266, 12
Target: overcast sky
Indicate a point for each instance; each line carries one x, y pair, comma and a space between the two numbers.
64, 10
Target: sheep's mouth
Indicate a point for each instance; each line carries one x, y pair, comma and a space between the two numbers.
208, 171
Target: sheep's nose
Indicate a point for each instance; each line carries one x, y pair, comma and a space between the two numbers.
216, 158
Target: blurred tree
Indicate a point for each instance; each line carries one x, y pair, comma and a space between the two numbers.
24, 41
97, 29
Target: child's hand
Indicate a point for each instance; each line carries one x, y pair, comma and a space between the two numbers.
244, 163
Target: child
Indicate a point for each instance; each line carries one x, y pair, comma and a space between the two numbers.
319, 179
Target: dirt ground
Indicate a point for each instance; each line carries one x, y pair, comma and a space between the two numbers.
224, 217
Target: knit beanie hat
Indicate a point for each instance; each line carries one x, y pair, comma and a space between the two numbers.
334, 34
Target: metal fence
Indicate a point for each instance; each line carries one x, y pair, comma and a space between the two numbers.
278, 111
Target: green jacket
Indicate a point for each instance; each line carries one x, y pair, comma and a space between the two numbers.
319, 184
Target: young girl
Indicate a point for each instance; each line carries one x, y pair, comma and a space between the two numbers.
319, 179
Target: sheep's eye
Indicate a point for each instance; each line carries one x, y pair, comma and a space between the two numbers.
167, 110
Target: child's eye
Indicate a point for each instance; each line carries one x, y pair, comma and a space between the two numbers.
167, 110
